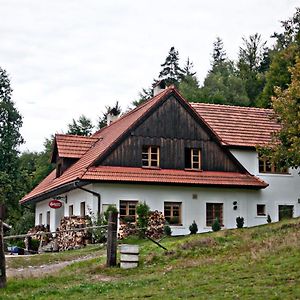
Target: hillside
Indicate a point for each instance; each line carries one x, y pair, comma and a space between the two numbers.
255, 263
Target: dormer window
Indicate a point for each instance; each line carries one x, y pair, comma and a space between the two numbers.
58, 169
150, 156
193, 158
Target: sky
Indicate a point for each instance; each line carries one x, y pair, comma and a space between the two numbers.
66, 58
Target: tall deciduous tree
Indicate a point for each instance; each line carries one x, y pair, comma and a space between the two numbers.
283, 56
171, 72
10, 139
286, 104
83, 126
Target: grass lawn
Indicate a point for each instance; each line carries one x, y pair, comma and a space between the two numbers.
255, 263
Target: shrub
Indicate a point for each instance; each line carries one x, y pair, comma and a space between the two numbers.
269, 220
239, 222
167, 230
110, 208
216, 225
142, 211
193, 228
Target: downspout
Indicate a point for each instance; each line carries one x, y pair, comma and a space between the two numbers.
93, 193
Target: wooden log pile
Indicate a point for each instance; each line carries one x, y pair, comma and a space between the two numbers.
127, 229
38, 231
72, 239
156, 223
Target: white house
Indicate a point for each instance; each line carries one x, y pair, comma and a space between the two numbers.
192, 161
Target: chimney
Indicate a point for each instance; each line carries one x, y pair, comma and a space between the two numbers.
159, 87
112, 116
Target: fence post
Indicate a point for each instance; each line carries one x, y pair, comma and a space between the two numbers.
112, 239
2, 258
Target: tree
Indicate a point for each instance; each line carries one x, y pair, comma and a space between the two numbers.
219, 54
144, 95
10, 139
171, 71
83, 126
114, 110
285, 151
251, 58
283, 56
189, 88
188, 69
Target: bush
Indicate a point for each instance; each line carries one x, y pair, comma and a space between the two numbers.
167, 230
216, 225
193, 228
269, 220
239, 222
142, 211
110, 208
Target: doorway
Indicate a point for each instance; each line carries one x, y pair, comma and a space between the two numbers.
285, 211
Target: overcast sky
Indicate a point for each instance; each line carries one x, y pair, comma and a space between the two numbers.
67, 57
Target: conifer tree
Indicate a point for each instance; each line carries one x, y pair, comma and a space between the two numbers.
83, 126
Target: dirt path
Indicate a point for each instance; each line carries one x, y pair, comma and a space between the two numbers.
39, 271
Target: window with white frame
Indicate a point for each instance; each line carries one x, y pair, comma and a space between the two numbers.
193, 158
150, 156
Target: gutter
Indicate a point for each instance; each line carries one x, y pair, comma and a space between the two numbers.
93, 193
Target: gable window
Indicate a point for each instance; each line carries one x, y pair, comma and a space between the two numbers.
265, 166
82, 209
172, 212
150, 156
128, 211
214, 211
71, 210
261, 209
193, 158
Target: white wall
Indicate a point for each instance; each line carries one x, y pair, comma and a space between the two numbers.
282, 190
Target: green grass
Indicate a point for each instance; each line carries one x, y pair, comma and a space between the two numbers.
255, 263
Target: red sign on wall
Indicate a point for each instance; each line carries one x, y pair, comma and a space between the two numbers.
55, 204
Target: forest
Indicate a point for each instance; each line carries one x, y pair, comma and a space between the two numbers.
262, 76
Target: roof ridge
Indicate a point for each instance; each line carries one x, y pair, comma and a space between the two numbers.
228, 105
75, 135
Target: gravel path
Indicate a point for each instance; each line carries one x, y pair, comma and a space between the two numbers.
39, 271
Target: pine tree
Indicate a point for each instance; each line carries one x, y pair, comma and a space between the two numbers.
250, 61
188, 68
219, 54
83, 126
115, 110
171, 71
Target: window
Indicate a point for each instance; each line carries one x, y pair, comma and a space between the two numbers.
48, 218
58, 169
40, 219
172, 212
71, 212
285, 211
82, 209
265, 166
261, 209
128, 211
213, 211
150, 156
192, 158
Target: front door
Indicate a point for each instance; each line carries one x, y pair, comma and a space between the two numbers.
285, 211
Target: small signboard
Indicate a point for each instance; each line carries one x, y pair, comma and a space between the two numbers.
55, 204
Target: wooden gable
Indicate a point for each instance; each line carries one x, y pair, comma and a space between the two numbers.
173, 127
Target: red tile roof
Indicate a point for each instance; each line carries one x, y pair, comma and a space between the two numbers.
102, 141
239, 126
144, 175
73, 146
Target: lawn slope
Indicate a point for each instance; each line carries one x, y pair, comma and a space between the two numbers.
252, 263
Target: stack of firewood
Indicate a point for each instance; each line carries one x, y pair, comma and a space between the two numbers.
156, 224
38, 232
67, 240
127, 229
